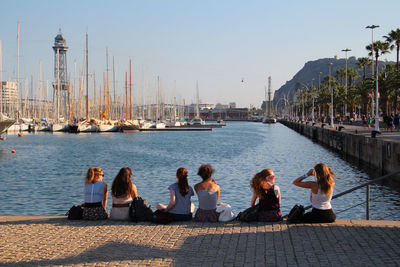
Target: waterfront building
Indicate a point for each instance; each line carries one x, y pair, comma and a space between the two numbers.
9, 98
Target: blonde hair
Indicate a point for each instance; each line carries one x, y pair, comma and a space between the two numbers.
92, 174
259, 181
324, 178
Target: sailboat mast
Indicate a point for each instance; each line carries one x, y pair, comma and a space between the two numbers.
126, 96
40, 89
58, 85
130, 89
95, 96
108, 89
1, 81
87, 78
18, 66
114, 99
197, 101
269, 96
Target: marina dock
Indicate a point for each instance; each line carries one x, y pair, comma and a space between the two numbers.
36, 241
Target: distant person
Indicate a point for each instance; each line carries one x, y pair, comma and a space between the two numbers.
180, 204
95, 192
208, 193
396, 120
321, 194
123, 192
390, 122
369, 121
364, 121
269, 195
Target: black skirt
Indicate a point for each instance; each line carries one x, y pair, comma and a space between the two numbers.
319, 216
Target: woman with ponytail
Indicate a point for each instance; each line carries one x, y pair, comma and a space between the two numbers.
320, 195
95, 192
269, 195
180, 205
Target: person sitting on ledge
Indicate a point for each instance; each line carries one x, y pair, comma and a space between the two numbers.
269, 194
208, 193
123, 191
95, 192
321, 194
180, 205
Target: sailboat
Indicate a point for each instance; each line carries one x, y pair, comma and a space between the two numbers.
88, 125
268, 118
197, 120
5, 122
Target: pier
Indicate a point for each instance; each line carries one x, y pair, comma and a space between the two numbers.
57, 241
379, 151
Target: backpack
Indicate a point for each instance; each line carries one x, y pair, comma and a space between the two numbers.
249, 215
296, 214
140, 210
75, 213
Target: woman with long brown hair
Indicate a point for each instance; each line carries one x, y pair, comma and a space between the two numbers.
180, 205
95, 193
320, 195
269, 195
123, 191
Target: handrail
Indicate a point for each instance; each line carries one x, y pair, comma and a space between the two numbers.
361, 186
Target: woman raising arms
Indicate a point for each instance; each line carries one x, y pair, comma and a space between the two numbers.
320, 195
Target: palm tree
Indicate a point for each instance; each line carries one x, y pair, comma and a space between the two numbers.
380, 48
363, 63
393, 39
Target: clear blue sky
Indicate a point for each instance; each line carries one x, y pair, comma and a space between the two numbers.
215, 42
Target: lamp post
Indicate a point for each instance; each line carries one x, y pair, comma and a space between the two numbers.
329, 85
319, 90
345, 101
372, 27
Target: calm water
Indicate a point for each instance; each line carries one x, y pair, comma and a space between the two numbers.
45, 176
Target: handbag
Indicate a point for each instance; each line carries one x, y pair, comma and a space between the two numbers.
225, 212
75, 213
162, 217
249, 215
296, 214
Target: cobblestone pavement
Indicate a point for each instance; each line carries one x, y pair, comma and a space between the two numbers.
57, 241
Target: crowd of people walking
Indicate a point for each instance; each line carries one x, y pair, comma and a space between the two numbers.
266, 195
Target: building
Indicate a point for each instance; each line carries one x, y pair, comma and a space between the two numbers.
9, 98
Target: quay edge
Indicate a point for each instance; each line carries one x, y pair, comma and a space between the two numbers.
376, 153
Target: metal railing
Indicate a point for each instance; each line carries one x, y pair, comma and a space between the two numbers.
367, 201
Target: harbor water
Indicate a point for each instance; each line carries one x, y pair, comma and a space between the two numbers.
45, 176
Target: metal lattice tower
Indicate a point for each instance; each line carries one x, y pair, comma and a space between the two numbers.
61, 84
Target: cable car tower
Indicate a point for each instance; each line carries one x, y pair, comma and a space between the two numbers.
60, 84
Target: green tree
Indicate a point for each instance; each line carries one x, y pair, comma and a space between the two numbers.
380, 48
393, 39
363, 63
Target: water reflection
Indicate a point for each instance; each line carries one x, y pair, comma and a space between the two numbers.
48, 170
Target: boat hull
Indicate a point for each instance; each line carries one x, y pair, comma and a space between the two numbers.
4, 125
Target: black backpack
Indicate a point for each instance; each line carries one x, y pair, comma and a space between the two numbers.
249, 215
296, 214
140, 210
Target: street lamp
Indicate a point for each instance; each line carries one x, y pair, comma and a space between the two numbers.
345, 101
319, 90
372, 27
331, 89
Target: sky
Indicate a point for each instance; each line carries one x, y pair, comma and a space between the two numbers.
217, 43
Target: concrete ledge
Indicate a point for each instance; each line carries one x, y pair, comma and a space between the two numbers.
38, 240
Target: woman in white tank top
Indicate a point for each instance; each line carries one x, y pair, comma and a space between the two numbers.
95, 194
320, 195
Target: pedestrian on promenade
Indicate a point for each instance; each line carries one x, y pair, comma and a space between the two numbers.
123, 191
364, 121
269, 195
95, 193
369, 121
390, 122
321, 194
208, 192
396, 120
180, 204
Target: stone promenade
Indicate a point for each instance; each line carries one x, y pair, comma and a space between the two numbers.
57, 241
